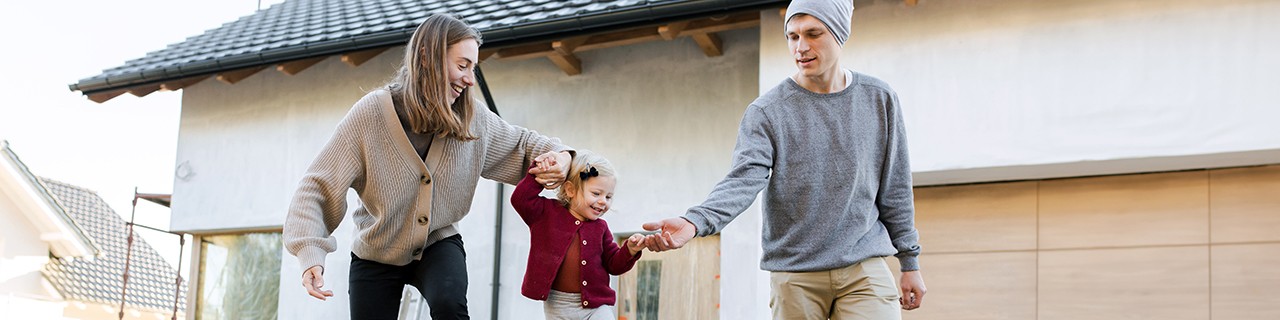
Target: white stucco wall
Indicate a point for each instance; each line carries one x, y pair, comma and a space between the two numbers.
1005, 89
22, 254
23, 291
242, 148
666, 116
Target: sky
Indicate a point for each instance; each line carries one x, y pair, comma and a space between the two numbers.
112, 147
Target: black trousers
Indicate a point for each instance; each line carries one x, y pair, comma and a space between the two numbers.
440, 276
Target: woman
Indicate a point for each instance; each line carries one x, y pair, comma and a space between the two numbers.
414, 151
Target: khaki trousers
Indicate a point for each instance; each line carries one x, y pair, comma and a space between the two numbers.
864, 290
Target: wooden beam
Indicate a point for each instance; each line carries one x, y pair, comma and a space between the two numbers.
296, 66
911, 3
181, 83
621, 38
104, 96
355, 59
563, 56
569, 63
143, 90
485, 54
567, 46
733, 22
671, 31
628, 37
534, 50
231, 77
710, 44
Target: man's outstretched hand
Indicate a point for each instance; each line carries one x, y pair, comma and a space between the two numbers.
673, 234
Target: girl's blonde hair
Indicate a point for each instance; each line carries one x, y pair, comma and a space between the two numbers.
581, 166
420, 87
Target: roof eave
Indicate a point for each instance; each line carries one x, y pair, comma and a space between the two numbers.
507, 35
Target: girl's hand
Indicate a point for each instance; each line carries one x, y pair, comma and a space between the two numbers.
635, 243
551, 168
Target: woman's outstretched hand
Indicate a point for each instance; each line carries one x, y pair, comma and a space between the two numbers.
313, 280
550, 168
673, 234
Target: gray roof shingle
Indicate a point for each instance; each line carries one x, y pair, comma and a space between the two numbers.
151, 278
297, 29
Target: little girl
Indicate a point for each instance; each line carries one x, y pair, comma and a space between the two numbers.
572, 252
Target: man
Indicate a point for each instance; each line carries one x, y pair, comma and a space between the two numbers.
829, 148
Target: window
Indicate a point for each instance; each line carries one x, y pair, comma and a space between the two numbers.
239, 276
648, 285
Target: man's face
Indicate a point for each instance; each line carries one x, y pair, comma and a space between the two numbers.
813, 47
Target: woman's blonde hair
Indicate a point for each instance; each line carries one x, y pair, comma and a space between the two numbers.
583, 162
420, 87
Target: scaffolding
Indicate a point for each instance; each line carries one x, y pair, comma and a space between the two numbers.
164, 200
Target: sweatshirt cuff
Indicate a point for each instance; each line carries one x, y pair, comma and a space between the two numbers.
701, 227
311, 256
909, 263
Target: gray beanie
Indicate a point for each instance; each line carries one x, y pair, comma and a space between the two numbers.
835, 14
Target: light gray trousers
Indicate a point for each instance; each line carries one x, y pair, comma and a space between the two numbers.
568, 306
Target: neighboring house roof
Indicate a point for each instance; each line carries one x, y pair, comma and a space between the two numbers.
56, 227
297, 29
151, 278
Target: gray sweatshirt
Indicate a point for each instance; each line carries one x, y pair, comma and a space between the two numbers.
836, 176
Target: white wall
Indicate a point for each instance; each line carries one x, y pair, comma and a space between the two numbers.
22, 254
1005, 89
666, 116
23, 291
243, 148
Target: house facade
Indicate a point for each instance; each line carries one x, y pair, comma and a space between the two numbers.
1072, 159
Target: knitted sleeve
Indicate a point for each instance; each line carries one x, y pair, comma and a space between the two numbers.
509, 149
319, 204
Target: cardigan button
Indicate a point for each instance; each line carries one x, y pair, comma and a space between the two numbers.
417, 251
422, 220
584, 303
584, 242
584, 262
425, 179
577, 222
584, 282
